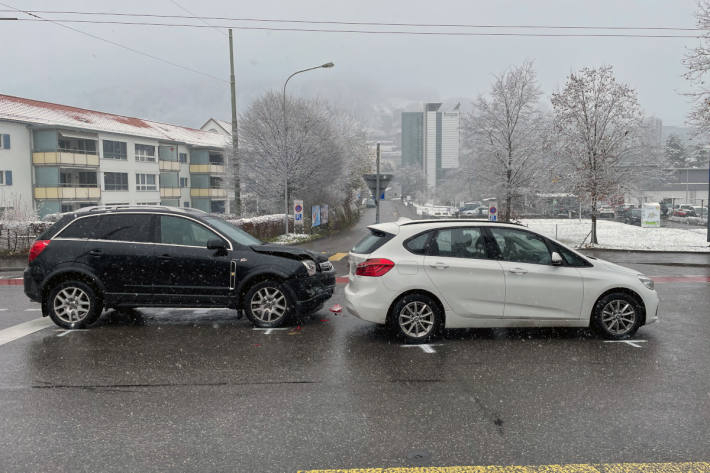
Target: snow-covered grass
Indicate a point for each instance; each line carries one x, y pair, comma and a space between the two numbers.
294, 238
617, 235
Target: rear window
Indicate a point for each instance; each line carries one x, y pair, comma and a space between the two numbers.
371, 242
81, 228
117, 227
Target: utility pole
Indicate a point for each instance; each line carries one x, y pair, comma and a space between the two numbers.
377, 187
235, 133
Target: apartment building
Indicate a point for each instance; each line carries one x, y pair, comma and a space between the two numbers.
430, 141
58, 158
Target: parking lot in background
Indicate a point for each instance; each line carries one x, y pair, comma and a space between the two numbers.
200, 389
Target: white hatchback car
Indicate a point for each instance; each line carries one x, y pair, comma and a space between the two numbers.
420, 276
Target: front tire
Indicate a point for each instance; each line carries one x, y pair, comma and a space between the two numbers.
616, 316
268, 304
416, 318
73, 304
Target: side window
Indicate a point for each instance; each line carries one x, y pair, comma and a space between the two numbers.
418, 244
125, 227
459, 242
521, 246
571, 259
81, 228
181, 231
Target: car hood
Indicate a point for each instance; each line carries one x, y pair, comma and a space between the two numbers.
289, 252
608, 265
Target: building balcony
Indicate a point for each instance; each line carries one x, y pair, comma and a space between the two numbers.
169, 192
207, 168
65, 158
67, 193
196, 192
169, 165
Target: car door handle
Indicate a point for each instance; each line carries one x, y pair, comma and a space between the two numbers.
95, 252
439, 265
518, 271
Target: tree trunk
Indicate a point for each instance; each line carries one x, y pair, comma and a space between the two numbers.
594, 240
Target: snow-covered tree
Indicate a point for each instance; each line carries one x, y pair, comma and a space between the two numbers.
507, 132
598, 125
676, 152
697, 62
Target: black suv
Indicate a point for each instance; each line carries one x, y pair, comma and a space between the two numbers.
121, 257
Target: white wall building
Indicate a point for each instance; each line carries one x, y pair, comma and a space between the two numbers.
55, 158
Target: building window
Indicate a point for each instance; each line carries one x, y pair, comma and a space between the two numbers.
5, 178
217, 206
216, 158
183, 157
147, 203
77, 179
77, 145
145, 153
183, 182
216, 182
116, 181
5, 142
186, 205
115, 150
145, 182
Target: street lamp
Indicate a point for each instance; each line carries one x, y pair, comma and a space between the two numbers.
285, 156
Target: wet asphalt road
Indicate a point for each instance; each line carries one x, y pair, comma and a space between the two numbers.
199, 390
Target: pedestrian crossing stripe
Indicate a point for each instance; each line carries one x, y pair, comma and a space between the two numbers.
337, 256
687, 467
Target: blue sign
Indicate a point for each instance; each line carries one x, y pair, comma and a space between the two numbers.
315, 216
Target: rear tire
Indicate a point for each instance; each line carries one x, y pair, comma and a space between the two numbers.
616, 316
268, 304
73, 304
416, 318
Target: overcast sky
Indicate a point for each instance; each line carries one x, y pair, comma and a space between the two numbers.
46, 62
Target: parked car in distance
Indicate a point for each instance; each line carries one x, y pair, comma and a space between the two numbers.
688, 209
370, 203
606, 212
120, 257
418, 277
633, 217
622, 212
478, 212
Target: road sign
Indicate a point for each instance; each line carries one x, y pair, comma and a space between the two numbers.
315, 216
298, 212
324, 214
492, 211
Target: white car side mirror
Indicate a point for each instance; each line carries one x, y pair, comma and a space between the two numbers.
556, 259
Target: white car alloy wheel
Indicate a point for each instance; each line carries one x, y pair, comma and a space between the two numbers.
268, 305
618, 317
416, 319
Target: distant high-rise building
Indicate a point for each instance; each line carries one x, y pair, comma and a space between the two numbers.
430, 141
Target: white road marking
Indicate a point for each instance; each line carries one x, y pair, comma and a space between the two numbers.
426, 347
20, 330
633, 343
267, 331
3, 310
32, 310
65, 332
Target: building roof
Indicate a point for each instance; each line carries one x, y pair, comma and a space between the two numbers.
63, 116
223, 124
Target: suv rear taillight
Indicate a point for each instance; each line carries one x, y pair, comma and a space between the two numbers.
374, 267
37, 248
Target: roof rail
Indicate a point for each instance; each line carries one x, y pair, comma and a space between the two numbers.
450, 220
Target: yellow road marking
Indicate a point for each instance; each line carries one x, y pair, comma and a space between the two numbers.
337, 256
687, 467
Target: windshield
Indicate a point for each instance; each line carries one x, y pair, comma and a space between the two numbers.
233, 232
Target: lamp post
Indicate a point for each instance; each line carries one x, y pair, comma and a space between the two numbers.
285, 143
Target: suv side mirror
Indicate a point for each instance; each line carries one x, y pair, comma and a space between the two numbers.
216, 244
556, 259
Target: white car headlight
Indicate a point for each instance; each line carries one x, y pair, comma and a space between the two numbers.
310, 266
646, 281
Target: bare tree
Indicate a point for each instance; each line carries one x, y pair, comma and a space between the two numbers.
598, 123
697, 62
507, 132
321, 156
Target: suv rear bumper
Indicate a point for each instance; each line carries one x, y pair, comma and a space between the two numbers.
32, 289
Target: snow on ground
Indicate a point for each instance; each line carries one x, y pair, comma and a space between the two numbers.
617, 235
292, 238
